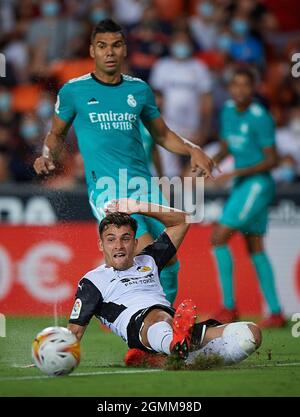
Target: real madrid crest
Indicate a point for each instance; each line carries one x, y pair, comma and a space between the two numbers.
131, 101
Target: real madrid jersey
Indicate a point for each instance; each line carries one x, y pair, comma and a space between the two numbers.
115, 296
247, 133
106, 121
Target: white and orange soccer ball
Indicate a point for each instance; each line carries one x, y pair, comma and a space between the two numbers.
56, 351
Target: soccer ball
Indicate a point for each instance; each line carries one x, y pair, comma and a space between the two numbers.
56, 351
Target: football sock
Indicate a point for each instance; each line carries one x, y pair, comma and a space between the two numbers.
266, 278
225, 270
169, 280
160, 336
236, 344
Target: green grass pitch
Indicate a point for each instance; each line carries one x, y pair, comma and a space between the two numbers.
273, 371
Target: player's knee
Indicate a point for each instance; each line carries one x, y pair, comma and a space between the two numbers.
246, 334
217, 238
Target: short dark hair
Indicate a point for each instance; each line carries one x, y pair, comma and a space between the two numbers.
117, 219
107, 26
246, 72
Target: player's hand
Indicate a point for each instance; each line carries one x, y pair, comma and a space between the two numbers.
123, 205
203, 164
43, 165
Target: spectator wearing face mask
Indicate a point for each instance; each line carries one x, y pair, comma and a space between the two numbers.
99, 10
203, 25
44, 110
224, 41
244, 47
30, 132
184, 84
5, 100
50, 36
45, 106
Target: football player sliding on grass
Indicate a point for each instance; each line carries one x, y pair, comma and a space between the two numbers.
126, 295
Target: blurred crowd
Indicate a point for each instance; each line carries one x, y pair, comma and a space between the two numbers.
186, 50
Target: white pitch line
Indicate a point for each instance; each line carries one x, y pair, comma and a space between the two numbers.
24, 378
270, 365
136, 371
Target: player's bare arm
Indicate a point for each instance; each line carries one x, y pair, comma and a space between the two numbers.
174, 143
77, 330
270, 162
222, 153
53, 144
174, 220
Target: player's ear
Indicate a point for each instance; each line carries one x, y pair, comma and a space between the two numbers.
92, 51
100, 245
125, 51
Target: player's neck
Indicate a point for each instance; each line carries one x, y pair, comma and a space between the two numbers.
108, 78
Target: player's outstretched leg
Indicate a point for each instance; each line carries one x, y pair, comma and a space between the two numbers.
183, 322
233, 342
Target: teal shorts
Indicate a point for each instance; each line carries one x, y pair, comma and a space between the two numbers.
145, 224
247, 207
148, 225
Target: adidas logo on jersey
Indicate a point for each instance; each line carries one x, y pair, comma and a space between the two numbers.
93, 101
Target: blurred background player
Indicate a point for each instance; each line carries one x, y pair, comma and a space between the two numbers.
247, 133
125, 293
106, 108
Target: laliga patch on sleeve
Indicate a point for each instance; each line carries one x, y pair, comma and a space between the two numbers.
76, 309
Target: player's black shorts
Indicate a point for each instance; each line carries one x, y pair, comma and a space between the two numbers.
136, 322
135, 325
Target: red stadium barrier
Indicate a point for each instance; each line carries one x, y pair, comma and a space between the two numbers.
198, 277
40, 267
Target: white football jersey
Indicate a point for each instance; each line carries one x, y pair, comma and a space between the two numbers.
115, 296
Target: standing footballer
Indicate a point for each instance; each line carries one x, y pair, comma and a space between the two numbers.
247, 133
